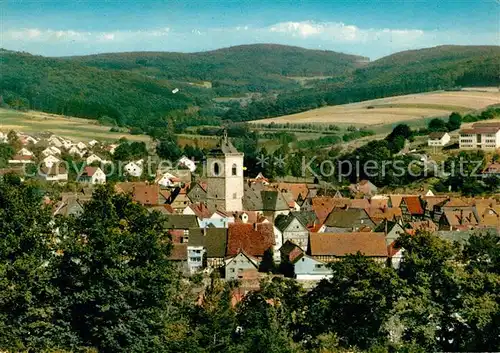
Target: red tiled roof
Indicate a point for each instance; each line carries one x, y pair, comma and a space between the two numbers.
379, 203
146, 194
460, 218
392, 249
359, 203
254, 241
342, 244
481, 130
179, 252
200, 210
89, 171
22, 158
414, 205
323, 205
456, 202
295, 188
431, 201
427, 225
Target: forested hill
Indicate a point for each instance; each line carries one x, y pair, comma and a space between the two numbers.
238, 69
70, 88
415, 71
450, 64
135, 89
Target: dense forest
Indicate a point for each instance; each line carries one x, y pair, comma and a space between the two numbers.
238, 69
103, 282
137, 89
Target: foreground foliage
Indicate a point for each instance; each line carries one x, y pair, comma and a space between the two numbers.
102, 282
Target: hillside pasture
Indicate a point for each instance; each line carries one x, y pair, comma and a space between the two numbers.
394, 109
33, 122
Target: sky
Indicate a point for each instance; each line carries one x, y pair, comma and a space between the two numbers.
370, 28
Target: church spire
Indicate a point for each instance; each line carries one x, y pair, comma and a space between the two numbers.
224, 139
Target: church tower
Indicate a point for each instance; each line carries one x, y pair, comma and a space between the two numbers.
224, 171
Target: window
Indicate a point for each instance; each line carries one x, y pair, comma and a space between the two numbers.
234, 195
234, 170
216, 168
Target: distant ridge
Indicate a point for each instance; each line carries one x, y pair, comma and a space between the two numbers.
139, 88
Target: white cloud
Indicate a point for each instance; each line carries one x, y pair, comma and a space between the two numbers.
337, 36
338, 31
303, 29
50, 35
106, 36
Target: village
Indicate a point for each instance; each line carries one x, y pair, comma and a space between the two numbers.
245, 228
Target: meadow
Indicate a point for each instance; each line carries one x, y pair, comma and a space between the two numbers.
73, 128
391, 110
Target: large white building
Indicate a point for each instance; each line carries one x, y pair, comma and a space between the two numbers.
483, 136
224, 171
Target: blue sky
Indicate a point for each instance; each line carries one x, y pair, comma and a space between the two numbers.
369, 28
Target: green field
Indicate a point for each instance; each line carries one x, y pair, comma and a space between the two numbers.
77, 129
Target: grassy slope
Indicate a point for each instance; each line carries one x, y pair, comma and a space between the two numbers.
74, 128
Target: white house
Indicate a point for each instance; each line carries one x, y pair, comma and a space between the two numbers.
24, 152
55, 141
217, 220
93, 143
134, 169
27, 139
94, 158
93, 175
51, 160
54, 172
51, 151
3, 137
75, 151
167, 180
438, 139
188, 163
112, 148
81, 145
67, 144
483, 136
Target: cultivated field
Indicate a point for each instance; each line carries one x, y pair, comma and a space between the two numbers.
395, 109
73, 128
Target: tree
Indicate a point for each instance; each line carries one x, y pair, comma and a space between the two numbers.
213, 322
28, 299
354, 302
427, 310
6, 153
267, 264
114, 276
168, 149
436, 125
454, 121
13, 140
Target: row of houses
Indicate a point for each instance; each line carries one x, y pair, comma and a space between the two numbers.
300, 228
